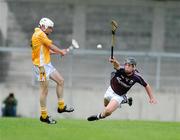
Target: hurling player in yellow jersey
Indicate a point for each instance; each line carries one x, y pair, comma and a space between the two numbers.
42, 47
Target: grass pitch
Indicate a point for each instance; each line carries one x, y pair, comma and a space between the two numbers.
65, 129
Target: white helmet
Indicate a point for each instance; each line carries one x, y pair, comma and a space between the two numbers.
46, 22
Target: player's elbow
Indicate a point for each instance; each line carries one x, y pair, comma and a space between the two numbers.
60, 82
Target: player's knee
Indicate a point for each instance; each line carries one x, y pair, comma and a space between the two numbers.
61, 82
106, 102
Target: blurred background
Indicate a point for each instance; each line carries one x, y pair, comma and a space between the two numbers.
149, 30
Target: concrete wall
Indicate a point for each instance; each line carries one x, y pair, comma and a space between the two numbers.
88, 102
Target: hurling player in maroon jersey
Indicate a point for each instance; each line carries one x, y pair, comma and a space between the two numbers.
122, 80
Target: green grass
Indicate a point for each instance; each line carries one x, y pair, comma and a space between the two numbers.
33, 129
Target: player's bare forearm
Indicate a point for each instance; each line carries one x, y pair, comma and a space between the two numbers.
53, 52
115, 63
56, 50
149, 91
150, 94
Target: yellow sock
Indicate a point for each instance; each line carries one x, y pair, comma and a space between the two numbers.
44, 113
61, 104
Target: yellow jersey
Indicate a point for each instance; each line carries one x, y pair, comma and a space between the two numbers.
40, 48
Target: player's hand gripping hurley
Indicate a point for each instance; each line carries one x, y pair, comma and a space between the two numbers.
74, 45
114, 27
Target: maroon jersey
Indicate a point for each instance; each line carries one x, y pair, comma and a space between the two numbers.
121, 83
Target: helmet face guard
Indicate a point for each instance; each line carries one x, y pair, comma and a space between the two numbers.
131, 61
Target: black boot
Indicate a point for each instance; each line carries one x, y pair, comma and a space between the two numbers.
48, 120
130, 101
65, 109
93, 118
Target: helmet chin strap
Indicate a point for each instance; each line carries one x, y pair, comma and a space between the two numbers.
43, 28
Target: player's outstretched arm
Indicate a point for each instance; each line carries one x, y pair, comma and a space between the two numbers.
115, 63
56, 50
52, 52
152, 99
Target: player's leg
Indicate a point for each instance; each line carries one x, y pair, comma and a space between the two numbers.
56, 76
111, 107
40, 75
43, 97
109, 103
108, 96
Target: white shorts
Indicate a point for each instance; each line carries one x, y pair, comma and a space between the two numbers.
43, 73
111, 95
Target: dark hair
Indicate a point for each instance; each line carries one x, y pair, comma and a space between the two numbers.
11, 94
